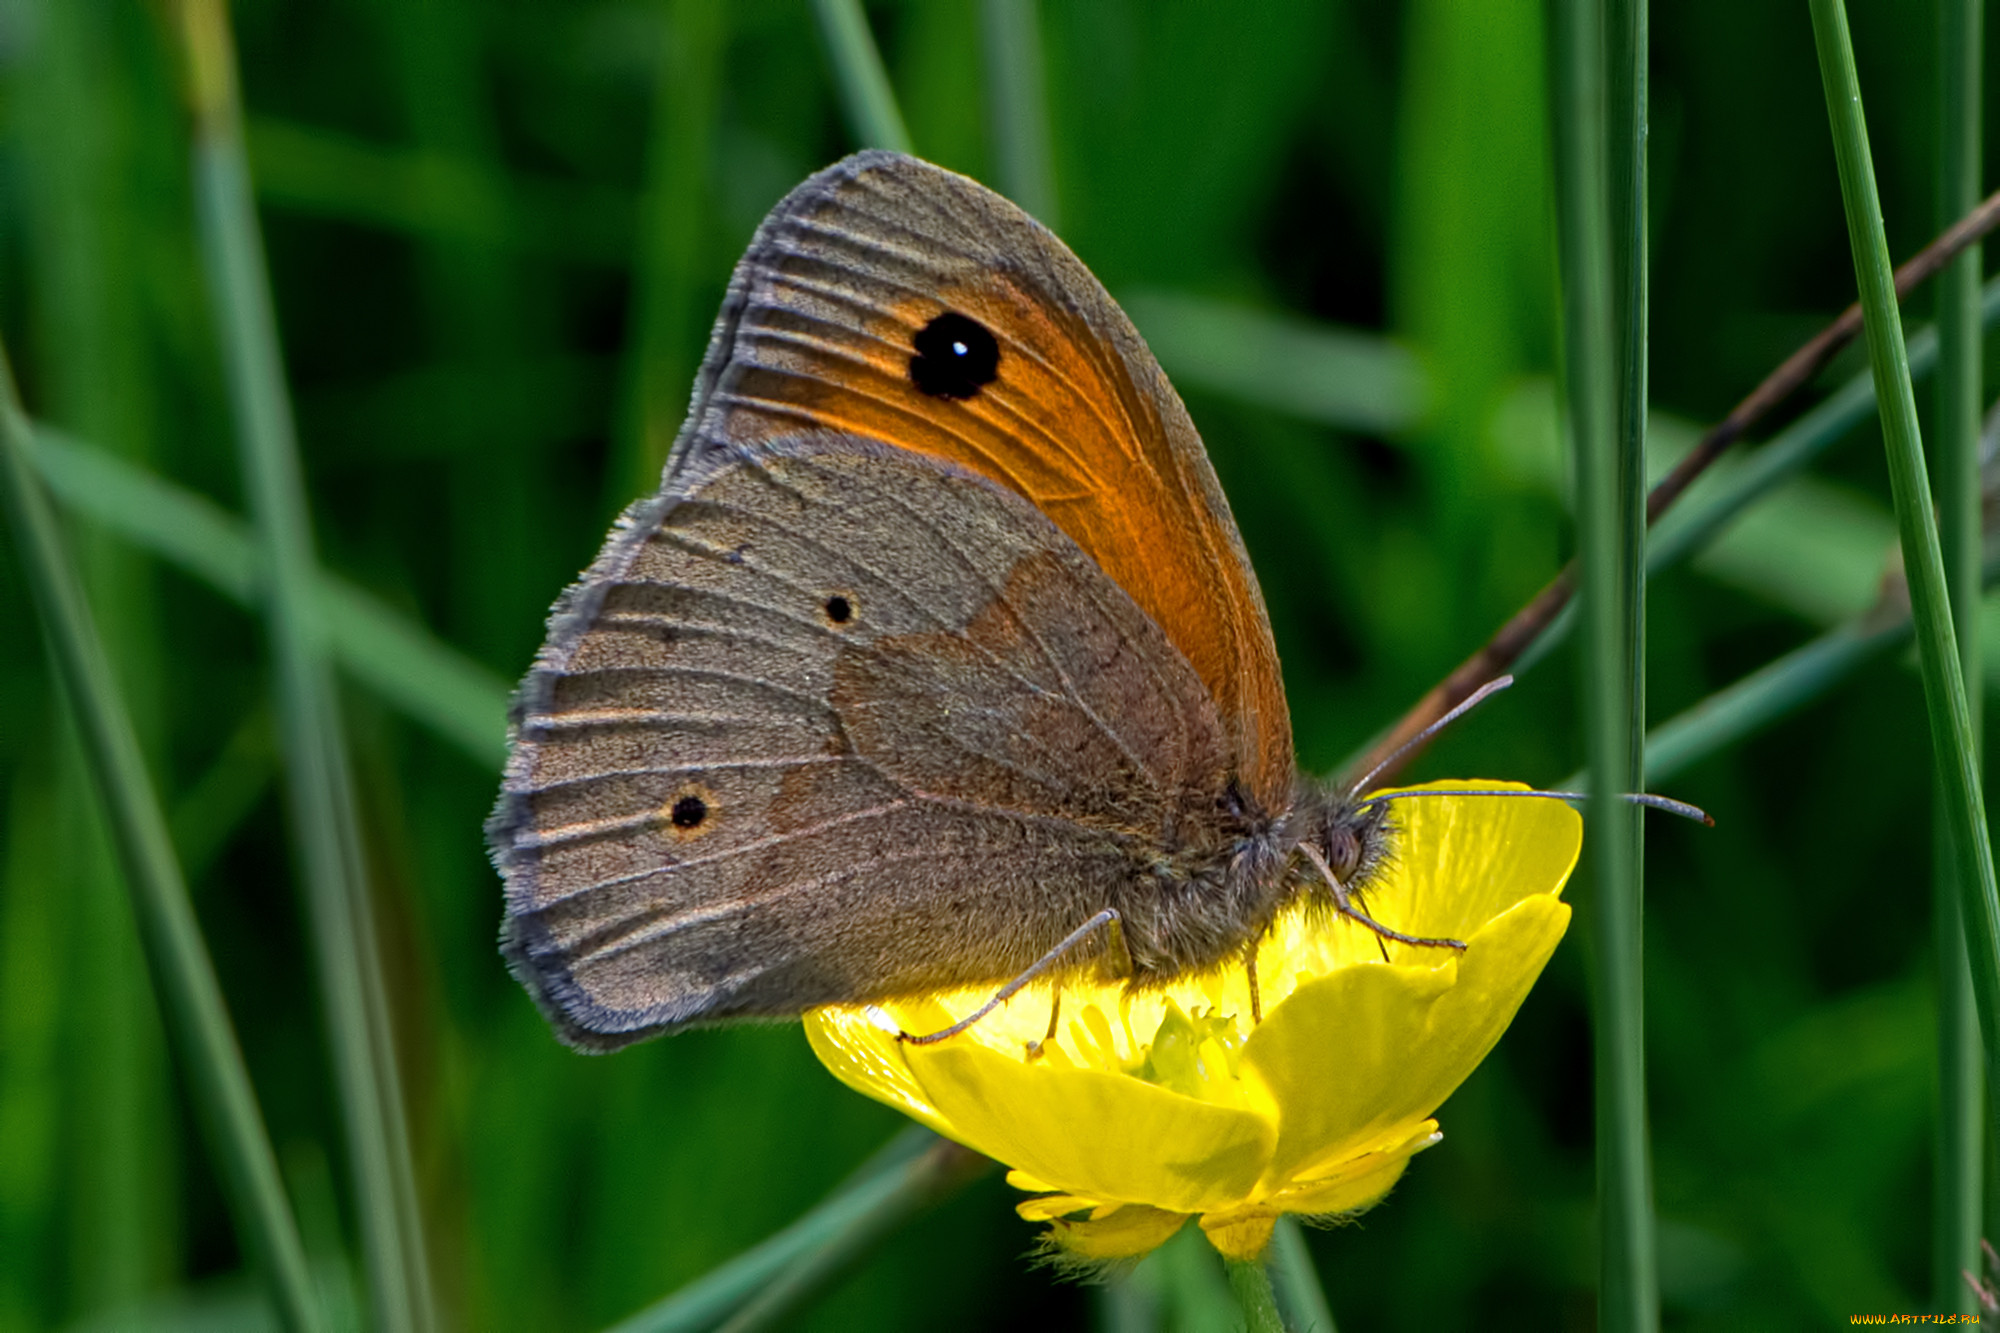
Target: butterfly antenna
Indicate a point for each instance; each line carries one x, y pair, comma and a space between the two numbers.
1344, 903
1472, 701
1650, 800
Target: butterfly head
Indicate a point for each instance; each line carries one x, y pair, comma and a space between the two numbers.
1350, 837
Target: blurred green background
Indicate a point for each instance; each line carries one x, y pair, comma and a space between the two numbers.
497, 236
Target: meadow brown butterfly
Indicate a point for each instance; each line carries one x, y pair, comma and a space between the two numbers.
937, 643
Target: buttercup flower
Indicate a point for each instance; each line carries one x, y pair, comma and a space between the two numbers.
1150, 1108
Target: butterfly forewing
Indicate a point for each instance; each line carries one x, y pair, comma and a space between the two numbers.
898, 301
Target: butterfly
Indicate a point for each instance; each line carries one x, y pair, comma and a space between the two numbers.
937, 660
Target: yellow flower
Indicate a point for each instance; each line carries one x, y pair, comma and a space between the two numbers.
1152, 1107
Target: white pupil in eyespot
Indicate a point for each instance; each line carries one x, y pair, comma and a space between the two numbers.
958, 349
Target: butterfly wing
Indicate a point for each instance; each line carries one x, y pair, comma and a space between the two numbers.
831, 721
893, 299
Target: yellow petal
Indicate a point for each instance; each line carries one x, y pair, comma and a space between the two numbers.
1460, 861
1350, 1056
1107, 1136
1359, 1181
1125, 1234
1455, 863
870, 1061
1317, 1111
1027, 1184
1048, 1207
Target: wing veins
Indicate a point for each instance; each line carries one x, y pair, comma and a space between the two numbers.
763, 844
1073, 696
649, 719
668, 770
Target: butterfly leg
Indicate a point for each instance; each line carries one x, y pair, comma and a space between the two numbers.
1250, 969
1035, 1048
1108, 917
1116, 954
1344, 903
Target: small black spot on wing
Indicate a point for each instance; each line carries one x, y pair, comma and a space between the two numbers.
839, 610
955, 357
690, 813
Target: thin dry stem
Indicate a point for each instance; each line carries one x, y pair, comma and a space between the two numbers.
1526, 625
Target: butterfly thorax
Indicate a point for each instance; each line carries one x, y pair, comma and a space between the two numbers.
1227, 871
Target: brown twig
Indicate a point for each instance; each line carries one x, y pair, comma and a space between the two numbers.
1526, 625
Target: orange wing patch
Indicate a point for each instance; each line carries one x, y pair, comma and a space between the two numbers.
826, 328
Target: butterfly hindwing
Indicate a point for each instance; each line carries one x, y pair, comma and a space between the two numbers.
833, 721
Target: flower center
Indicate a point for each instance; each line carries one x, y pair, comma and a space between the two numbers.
1191, 1053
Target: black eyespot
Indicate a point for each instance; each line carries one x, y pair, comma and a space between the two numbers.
956, 357
839, 610
689, 811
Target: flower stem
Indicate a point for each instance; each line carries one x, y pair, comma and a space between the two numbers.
1953, 751
1251, 1282
1960, 1169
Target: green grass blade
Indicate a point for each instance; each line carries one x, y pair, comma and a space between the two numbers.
1320, 372
1362, 381
221, 799
759, 1287
711, 1298
1017, 109
1125, 1303
436, 195
940, 1171
175, 524
1961, 1135
1355, 380
1776, 690
1953, 749
670, 331
1181, 1285
1296, 1281
1773, 691
1709, 509
323, 815
183, 974
1603, 314
403, 663
865, 95
408, 667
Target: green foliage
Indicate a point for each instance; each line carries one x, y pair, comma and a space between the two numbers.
497, 235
